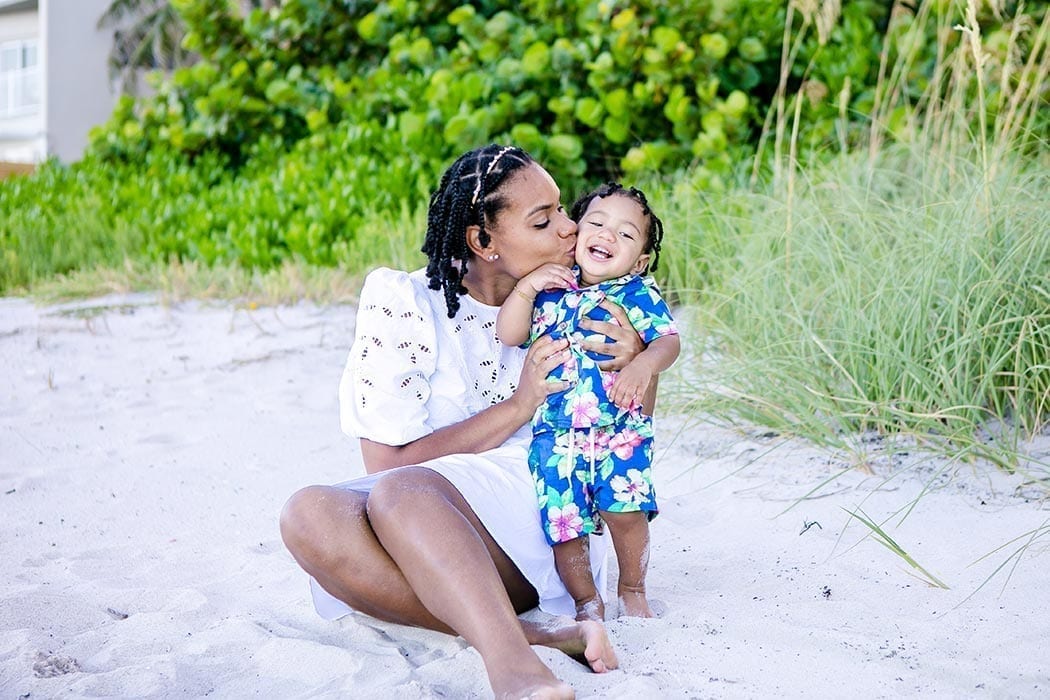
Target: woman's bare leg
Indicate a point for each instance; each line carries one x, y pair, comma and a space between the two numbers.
630, 536
418, 519
573, 561
329, 533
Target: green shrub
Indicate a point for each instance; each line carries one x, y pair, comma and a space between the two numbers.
594, 89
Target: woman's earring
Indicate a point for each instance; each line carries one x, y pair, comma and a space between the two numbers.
494, 257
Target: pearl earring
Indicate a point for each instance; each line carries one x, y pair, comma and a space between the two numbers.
494, 257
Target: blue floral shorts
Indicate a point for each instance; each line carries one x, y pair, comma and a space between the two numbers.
580, 472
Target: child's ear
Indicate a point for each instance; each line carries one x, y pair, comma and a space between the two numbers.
641, 264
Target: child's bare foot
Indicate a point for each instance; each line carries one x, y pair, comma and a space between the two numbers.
633, 603
593, 609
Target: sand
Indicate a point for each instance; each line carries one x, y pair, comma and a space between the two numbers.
146, 450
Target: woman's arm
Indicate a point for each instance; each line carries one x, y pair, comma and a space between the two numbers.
486, 429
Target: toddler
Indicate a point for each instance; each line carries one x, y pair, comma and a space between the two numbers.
592, 443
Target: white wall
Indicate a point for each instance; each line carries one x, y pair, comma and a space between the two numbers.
18, 25
78, 94
22, 137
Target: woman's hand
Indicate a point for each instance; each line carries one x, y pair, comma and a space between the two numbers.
542, 357
626, 341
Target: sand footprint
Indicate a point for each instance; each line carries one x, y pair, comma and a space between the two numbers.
421, 651
50, 665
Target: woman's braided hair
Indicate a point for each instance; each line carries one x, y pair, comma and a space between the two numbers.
468, 195
653, 237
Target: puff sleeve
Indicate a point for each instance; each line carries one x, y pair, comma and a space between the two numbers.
385, 386
648, 312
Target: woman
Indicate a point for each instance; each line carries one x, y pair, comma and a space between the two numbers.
443, 533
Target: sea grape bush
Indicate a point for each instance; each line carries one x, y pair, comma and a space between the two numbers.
595, 89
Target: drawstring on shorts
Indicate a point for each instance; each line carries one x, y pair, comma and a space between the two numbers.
572, 455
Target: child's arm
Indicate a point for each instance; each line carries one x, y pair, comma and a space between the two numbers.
515, 315
633, 380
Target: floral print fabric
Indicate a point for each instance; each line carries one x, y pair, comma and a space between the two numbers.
579, 473
558, 313
587, 455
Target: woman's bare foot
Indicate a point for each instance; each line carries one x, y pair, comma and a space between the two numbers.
585, 641
633, 603
540, 685
597, 649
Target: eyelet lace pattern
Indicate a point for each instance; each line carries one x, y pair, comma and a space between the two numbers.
412, 369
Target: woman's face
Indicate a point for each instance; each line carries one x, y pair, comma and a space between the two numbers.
533, 229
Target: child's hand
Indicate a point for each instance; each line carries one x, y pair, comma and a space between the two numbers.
548, 276
630, 386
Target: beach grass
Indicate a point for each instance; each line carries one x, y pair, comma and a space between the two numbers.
900, 287
899, 299
383, 239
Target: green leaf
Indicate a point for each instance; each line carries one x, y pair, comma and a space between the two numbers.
634, 161
752, 49
562, 104
280, 92
527, 136
589, 111
368, 27
316, 119
565, 147
666, 39
736, 104
455, 127
461, 14
714, 45
617, 102
536, 59
616, 129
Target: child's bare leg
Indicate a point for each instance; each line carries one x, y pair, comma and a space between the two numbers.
573, 561
630, 536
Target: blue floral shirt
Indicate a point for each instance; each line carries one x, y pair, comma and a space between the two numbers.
557, 313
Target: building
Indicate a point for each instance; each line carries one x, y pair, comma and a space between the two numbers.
54, 80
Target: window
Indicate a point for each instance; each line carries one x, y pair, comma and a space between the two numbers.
19, 79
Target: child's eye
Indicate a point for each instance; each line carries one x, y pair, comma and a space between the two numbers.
627, 234
595, 223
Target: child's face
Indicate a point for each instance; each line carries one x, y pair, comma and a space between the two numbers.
612, 234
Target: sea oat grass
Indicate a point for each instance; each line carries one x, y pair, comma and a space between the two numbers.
904, 302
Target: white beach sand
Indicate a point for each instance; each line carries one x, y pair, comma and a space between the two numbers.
146, 450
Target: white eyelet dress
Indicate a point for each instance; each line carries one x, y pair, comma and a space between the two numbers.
412, 370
